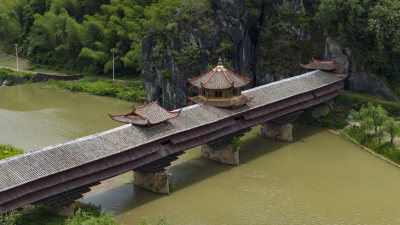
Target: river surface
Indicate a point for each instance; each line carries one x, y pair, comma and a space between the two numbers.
319, 179
33, 116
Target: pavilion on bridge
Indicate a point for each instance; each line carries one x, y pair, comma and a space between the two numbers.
146, 115
220, 87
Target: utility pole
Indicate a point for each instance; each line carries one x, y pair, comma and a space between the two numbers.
113, 61
16, 54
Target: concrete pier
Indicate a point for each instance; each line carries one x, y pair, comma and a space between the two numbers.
154, 182
282, 132
226, 154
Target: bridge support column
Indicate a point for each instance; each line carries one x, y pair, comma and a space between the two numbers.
155, 182
66, 211
282, 132
224, 154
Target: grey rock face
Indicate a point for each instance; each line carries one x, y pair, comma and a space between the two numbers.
230, 22
358, 79
165, 77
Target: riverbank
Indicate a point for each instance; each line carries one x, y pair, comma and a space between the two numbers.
337, 120
127, 90
343, 104
354, 141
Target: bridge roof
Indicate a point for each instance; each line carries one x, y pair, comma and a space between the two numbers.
50, 160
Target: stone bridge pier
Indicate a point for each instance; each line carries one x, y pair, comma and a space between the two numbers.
281, 132
153, 176
280, 128
222, 149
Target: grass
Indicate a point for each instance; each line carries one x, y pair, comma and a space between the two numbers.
10, 62
130, 91
386, 149
25, 75
7, 151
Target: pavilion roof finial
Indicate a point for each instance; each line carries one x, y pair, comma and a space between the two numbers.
219, 61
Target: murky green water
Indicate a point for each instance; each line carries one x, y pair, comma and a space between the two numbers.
319, 179
32, 116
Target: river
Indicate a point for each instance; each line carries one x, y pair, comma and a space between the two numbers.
319, 179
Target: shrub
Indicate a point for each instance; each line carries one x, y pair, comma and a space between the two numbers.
7, 151
83, 217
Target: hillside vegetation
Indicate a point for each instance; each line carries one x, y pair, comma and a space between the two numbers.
79, 35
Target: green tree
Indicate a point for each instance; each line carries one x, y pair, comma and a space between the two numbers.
384, 22
345, 19
371, 117
391, 127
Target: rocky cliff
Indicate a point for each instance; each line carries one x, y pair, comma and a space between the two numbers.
262, 40
358, 79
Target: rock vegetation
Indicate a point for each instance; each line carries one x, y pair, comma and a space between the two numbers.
255, 39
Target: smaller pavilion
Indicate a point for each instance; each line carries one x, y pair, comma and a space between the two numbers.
326, 65
146, 115
220, 87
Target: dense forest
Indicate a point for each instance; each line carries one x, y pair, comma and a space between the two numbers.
79, 35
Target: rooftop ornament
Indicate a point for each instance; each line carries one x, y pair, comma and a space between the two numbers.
324, 65
146, 115
220, 87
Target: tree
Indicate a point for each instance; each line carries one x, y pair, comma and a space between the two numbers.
345, 19
384, 22
391, 127
371, 117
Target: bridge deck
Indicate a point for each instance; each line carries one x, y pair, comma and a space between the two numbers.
53, 160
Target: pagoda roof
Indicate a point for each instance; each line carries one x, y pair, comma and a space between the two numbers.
326, 65
219, 78
149, 114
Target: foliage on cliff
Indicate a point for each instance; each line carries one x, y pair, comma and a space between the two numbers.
79, 35
371, 27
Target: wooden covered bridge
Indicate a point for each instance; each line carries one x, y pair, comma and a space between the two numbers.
59, 174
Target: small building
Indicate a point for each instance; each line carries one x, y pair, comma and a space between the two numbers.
220, 87
327, 65
146, 115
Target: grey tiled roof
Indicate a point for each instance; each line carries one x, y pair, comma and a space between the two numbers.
50, 160
219, 78
223, 103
